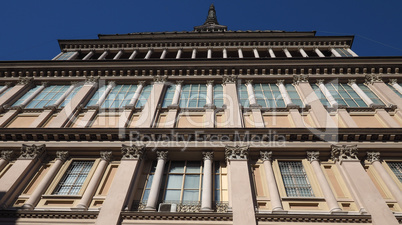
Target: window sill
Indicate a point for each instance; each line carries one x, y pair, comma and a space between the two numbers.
303, 199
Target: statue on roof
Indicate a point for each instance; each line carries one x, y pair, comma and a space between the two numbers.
211, 23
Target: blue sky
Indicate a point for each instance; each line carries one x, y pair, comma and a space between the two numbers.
30, 29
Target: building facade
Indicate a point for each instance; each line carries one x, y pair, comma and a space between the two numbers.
209, 126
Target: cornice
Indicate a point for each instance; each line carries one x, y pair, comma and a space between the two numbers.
176, 216
312, 218
49, 214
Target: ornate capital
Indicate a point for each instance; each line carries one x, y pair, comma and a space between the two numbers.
208, 155
107, 156
236, 152
302, 78
313, 156
160, 79
393, 81
62, 155
142, 82
91, 80
373, 78
351, 81
344, 152
279, 82
31, 151
45, 84
229, 79
132, 152
8, 84
249, 82
210, 82
25, 80
320, 81
162, 155
373, 156
7, 155
266, 156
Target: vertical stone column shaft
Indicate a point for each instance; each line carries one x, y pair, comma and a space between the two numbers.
326, 92
250, 92
156, 181
210, 92
356, 88
275, 198
176, 95
284, 92
207, 189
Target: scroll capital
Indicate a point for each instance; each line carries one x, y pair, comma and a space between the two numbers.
132, 152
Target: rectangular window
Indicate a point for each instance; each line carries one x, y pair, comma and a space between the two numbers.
293, 95
74, 178
66, 56
193, 96
145, 93
343, 52
243, 95
345, 95
295, 179
167, 100
218, 96
26, 96
48, 96
119, 96
95, 98
321, 95
392, 88
268, 96
70, 96
376, 100
396, 167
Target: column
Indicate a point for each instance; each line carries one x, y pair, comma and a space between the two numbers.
173, 108
250, 92
284, 92
240, 52
287, 53
103, 56
5, 158
371, 199
255, 108
20, 173
156, 181
210, 93
6, 86
118, 55
95, 180
336, 54
374, 158
207, 188
163, 55
241, 192
149, 53
394, 83
353, 85
179, 52
46, 181
271, 53
209, 53
177, 91
137, 93
319, 53
233, 114
274, 196
102, 98
303, 53
313, 158
32, 96
225, 53
194, 54
120, 188
326, 93
148, 113
64, 96
133, 55
89, 55
256, 55
209, 118
352, 52
70, 109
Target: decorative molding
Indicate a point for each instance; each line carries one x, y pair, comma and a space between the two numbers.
344, 152
229, 79
314, 218
25, 80
189, 208
162, 155
351, 81
236, 153
373, 156
320, 81
142, 82
8, 84
279, 82
106, 156
91, 80
160, 79
132, 152
373, 78
393, 81
208, 155
179, 82
249, 82
32, 151
210, 82
302, 78
266, 156
49, 214
313, 156
7, 155
62, 155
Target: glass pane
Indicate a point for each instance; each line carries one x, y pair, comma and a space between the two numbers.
192, 182
174, 181
176, 167
193, 167
172, 195
190, 195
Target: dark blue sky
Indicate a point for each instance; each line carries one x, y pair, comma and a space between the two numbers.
30, 29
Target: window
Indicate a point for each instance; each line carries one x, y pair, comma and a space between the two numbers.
48, 96
321, 95
25, 96
4, 91
392, 88
95, 98
293, 95
70, 96
370, 94
268, 96
74, 178
345, 95
119, 96
243, 96
168, 96
146, 91
295, 179
218, 96
193, 96
343, 52
66, 56
220, 183
396, 167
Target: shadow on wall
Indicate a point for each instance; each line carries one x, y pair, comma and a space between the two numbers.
7, 216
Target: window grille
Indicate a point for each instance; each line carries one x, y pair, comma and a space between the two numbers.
74, 178
167, 100
396, 167
193, 96
295, 179
268, 96
119, 96
48, 96
146, 91
345, 95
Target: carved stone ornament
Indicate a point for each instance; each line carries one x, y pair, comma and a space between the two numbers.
313, 156
210, 82
62, 155
25, 80
373, 78
162, 155
266, 156
143, 82
7, 155
236, 152
189, 208
373, 156
160, 79
344, 152
229, 79
279, 82
320, 81
107, 156
208, 155
31, 151
302, 78
248, 82
393, 81
132, 152
351, 82
91, 80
